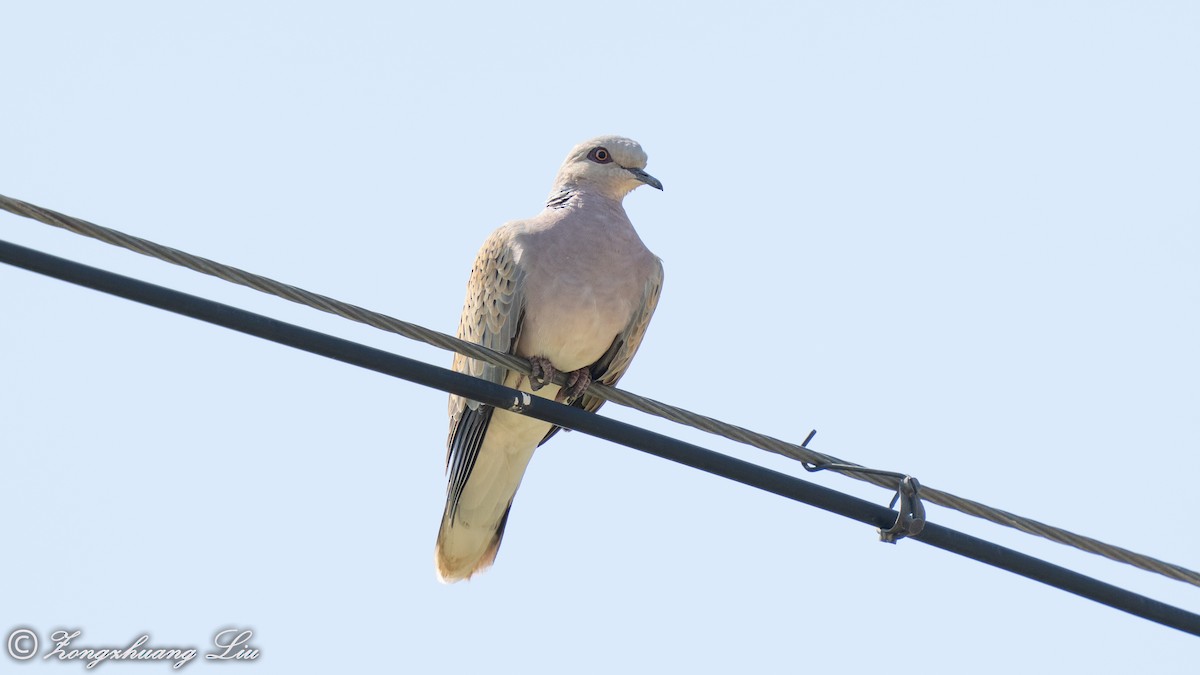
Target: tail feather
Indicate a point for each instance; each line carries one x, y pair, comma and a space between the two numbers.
485, 474
462, 551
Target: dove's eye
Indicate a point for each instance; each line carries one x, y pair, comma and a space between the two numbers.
600, 156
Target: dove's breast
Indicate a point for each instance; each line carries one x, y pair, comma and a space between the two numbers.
583, 287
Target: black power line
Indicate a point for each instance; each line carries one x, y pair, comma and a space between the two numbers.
676, 414
601, 427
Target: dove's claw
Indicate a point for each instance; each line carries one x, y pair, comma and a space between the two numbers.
543, 372
577, 382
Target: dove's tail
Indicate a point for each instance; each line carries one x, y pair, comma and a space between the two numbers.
473, 525
463, 550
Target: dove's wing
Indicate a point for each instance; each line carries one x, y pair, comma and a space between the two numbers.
491, 317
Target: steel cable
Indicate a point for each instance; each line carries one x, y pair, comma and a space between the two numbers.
621, 397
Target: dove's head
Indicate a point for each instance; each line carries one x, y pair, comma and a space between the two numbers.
611, 165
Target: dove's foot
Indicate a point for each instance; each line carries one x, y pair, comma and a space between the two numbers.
577, 382
543, 372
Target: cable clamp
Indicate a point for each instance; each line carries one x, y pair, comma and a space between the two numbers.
911, 520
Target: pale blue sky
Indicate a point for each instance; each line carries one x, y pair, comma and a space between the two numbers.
959, 239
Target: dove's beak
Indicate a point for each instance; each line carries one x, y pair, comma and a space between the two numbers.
645, 178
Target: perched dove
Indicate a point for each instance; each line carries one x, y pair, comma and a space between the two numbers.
572, 290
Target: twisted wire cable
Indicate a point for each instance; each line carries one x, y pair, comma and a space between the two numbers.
618, 396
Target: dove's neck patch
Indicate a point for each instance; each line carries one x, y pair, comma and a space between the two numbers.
560, 200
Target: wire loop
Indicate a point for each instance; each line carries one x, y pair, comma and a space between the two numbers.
911, 518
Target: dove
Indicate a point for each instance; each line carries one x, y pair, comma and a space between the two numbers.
572, 290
